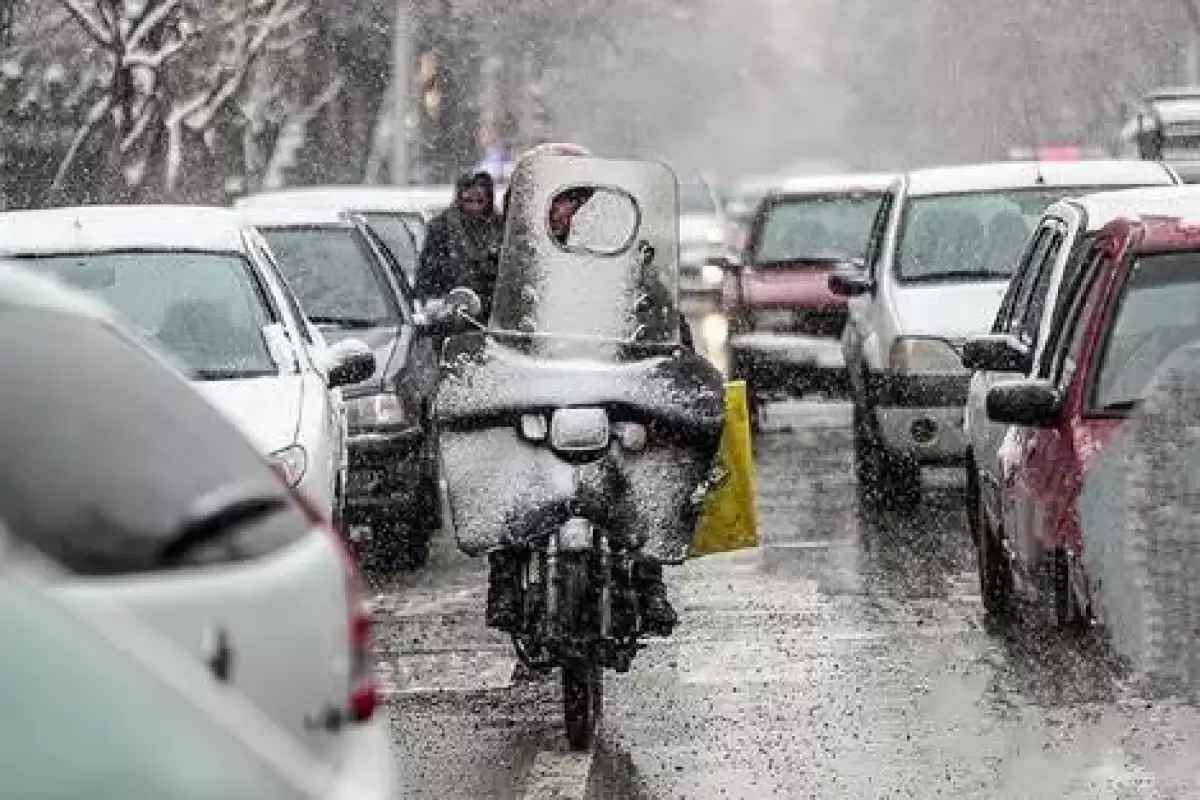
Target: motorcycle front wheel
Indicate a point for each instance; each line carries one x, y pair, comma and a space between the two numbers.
582, 682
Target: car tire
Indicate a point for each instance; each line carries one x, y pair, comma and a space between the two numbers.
885, 480
995, 575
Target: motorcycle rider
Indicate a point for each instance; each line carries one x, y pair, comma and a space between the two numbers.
462, 246
658, 615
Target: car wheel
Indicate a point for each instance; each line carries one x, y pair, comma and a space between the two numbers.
885, 480
1069, 614
995, 575
973, 499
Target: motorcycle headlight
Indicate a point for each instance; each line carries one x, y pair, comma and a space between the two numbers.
924, 355
291, 463
384, 410
631, 435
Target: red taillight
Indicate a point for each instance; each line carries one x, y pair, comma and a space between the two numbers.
364, 694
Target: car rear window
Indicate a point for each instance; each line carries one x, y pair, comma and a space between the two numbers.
82, 719
1157, 313
818, 226
109, 451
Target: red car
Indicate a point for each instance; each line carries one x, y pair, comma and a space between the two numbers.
785, 325
1133, 300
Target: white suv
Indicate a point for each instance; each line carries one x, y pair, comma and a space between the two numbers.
939, 260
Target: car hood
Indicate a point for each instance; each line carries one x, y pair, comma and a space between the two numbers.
383, 342
954, 310
266, 410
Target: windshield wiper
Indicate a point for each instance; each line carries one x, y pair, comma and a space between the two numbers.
347, 322
957, 274
219, 513
231, 374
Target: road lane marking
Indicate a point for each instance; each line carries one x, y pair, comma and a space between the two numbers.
558, 776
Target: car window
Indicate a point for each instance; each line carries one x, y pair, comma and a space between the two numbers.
397, 237
1028, 319
289, 297
402, 283
116, 451
1078, 274
206, 309
334, 275
819, 226
1157, 312
1082, 301
1011, 308
81, 718
970, 236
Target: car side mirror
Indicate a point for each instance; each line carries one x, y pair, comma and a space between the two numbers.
350, 362
1031, 403
850, 281
997, 353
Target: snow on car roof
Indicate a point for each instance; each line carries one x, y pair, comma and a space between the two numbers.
358, 198
293, 216
1025, 175
134, 227
1101, 208
846, 182
354, 198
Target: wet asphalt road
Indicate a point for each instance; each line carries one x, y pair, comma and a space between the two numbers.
839, 660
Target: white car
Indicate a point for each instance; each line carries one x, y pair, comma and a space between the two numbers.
143, 499
943, 247
193, 281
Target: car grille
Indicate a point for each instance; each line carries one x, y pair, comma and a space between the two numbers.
823, 322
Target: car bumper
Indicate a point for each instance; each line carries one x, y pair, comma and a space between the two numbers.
922, 415
368, 770
388, 473
776, 363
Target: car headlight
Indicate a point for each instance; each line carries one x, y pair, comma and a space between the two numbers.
291, 463
924, 355
712, 275
715, 235
385, 410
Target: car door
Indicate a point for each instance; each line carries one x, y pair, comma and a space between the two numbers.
418, 377
1025, 478
324, 403
1035, 266
858, 333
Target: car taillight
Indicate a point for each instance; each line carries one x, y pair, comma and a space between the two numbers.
364, 693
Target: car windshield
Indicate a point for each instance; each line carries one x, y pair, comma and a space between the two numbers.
696, 198
81, 713
1158, 312
334, 275
206, 309
970, 236
826, 226
396, 231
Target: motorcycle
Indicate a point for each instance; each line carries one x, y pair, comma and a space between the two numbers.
575, 432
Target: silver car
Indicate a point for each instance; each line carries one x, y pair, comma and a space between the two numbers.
150, 502
703, 240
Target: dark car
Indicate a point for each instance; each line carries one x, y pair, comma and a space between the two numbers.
349, 285
785, 324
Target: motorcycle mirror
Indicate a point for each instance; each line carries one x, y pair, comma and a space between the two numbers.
464, 301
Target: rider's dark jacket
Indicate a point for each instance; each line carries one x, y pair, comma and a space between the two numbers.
462, 249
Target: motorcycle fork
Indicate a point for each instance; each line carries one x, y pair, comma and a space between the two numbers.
578, 538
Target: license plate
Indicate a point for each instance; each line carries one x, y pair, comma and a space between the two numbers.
775, 320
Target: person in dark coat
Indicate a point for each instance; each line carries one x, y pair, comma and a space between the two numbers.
462, 244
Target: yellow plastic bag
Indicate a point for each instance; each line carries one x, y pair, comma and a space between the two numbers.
727, 519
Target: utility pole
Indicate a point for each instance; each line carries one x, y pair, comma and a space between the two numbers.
401, 90
1192, 65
